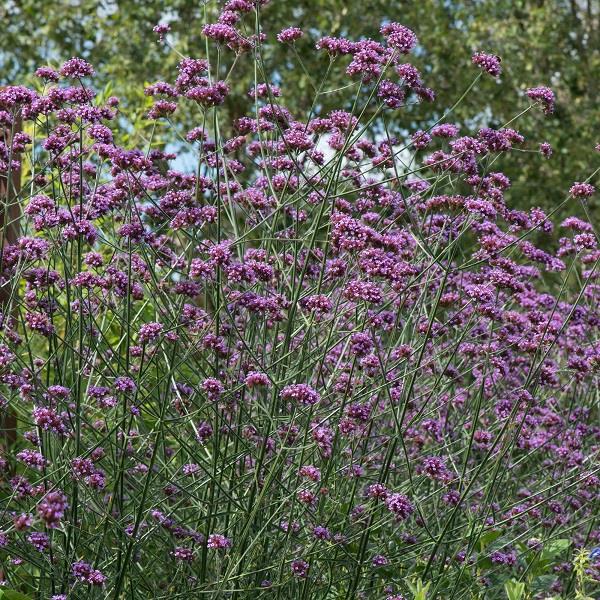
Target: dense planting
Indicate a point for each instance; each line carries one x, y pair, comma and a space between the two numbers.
334, 360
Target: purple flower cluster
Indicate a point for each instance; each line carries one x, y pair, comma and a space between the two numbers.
582, 190
51, 508
76, 68
399, 37
490, 63
216, 541
161, 30
149, 332
82, 571
300, 393
340, 362
289, 34
543, 95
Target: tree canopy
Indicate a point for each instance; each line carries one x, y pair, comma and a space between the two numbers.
541, 42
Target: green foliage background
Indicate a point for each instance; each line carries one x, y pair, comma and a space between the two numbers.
541, 42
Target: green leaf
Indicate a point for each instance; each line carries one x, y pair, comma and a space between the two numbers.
488, 537
555, 547
12, 595
418, 589
514, 589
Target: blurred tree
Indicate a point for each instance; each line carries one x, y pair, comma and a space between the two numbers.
542, 42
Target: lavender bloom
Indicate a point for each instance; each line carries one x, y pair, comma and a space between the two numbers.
125, 385
489, 63
76, 68
543, 95
582, 190
399, 37
32, 458
255, 378
546, 149
161, 30
379, 560
400, 506
149, 332
300, 392
51, 509
300, 568
213, 388
445, 130
85, 573
183, 554
47, 73
290, 34
39, 541
48, 420
216, 541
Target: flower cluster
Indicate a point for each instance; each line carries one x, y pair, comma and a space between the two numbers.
352, 354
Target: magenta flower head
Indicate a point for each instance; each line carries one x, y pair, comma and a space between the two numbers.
289, 35
410, 75
39, 541
256, 378
400, 506
582, 190
162, 108
379, 560
490, 63
543, 95
149, 332
47, 73
301, 393
51, 509
32, 458
76, 68
299, 568
399, 37
368, 291
222, 33
434, 467
125, 385
209, 95
85, 573
161, 30
360, 344
546, 149
216, 541
311, 472
420, 139
377, 491
48, 420
213, 388
183, 554
445, 130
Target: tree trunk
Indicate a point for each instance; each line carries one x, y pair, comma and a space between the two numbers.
10, 213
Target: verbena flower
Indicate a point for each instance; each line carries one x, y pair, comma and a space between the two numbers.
289, 34
340, 340
76, 68
490, 63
